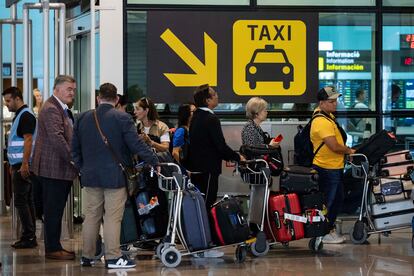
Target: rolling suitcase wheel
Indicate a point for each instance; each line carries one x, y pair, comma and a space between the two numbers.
315, 244
171, 257
359, 233
241, 253
260, 247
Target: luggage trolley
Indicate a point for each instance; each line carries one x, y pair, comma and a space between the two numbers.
167, 250
259, 182
259, 209
366, 222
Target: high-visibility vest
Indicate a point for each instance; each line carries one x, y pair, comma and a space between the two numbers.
15, 146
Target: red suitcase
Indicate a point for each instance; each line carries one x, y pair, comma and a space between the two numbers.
396, 157
403, 168
284, 230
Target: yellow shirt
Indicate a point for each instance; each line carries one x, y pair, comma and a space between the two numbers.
325, 158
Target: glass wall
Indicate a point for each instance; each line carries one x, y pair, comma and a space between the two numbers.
398, 62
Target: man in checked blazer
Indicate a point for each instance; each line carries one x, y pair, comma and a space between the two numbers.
52, 162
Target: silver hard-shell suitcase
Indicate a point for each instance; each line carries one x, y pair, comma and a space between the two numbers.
392, 207
394, 221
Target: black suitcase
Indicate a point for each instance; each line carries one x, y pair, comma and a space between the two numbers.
316, 229
272, 155
312, 201
353, 190
130, 228
228, 222
377, 146
300, 180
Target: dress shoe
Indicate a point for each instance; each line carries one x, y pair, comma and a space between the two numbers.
70, 252
20, 244
60, 255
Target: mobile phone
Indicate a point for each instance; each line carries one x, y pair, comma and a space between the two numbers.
278, 138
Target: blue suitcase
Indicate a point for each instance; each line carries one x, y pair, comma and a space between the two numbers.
194, 221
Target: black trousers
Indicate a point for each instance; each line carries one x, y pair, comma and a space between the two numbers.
23, 202
207, 183
55, 194
37, 196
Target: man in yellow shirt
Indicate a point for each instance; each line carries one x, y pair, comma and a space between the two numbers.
327, 136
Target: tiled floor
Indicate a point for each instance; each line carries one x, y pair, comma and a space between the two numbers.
394, 256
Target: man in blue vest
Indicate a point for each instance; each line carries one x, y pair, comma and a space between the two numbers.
19, 152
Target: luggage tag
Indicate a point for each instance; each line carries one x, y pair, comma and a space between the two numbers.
295, 218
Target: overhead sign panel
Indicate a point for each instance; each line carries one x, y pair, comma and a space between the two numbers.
273, 55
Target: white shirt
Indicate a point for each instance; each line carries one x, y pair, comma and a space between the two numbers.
64, 106
207, 109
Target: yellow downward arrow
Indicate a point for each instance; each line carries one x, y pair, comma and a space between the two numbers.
203, 73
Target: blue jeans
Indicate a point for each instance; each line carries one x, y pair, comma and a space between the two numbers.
331, 183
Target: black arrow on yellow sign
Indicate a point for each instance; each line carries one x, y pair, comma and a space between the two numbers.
203, 72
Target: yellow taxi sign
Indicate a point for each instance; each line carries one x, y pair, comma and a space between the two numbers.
269, 57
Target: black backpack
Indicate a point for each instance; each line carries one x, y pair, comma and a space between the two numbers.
303, 145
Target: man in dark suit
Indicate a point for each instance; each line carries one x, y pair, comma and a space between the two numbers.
208, 147
101, 175
52, 162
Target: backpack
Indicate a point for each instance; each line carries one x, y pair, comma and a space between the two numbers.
304, 153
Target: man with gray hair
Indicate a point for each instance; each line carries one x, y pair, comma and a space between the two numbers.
102, 139
52, 162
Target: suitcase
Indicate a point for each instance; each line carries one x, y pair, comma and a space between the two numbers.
194, 221
388, 187
353, 190
229, 222
316, 229
283, 229
300, 180
377, 146
272, 155
399, 220
312, 201
396, 157
130, 228
392, 207
404, 168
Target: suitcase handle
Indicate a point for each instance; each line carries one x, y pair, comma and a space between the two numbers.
277, 219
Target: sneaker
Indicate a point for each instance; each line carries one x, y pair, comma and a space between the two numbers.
87, 262
333, 238
121, 262
212, 253
20, 244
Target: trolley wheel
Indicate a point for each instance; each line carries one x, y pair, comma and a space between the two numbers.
359, 233
285, 244
159, 249
412, 242
241, 253
315, 244
171, 257
258, 249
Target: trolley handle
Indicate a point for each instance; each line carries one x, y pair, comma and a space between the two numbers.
254, 161
350, 156
170, 164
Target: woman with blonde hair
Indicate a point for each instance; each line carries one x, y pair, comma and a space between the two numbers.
256, 113
38, 101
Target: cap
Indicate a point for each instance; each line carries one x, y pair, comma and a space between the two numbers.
328, 93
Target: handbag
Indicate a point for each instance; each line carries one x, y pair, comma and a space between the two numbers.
131, 173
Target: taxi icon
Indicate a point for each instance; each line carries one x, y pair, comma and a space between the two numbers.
270, 65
